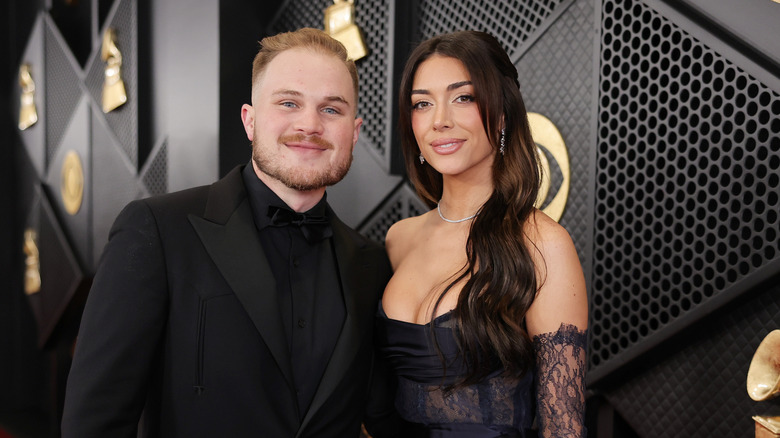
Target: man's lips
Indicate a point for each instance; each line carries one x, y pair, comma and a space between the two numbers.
305, 142
305, 145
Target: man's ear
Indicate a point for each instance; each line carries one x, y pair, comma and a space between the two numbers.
248, 119
358, 124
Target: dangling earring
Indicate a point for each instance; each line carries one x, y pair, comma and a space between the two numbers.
422, 159
503, 141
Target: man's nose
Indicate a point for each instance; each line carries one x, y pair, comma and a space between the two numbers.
309, 122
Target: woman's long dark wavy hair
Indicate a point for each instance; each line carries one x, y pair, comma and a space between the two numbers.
501, 278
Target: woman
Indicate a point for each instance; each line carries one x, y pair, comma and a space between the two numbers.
485, 317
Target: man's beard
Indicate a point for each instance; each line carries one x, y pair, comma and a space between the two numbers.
299, 179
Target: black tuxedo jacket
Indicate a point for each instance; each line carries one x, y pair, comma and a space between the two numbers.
182, 320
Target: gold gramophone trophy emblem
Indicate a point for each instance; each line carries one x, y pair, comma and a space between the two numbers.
32, 270
72, 183
28, 114
763, 382
340, 24
545, 133
114, 94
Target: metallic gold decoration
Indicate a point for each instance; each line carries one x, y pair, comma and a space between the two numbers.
114, 94
340, 24
547, 135
763, 377
28, 114
32, 271
767, 427
72, 184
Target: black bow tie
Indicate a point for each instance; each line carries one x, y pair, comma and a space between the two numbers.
314, 227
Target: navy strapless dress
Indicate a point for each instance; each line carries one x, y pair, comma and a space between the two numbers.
496, 407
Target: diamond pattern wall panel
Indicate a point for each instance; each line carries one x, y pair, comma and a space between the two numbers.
688, 181
60, 272
75, 140
63, 87
123, 120
699, 392
556, 78
115, 182
34, 137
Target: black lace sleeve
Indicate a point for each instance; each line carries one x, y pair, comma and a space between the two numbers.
560, 386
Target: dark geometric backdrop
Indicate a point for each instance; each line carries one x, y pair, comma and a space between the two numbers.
670, 111
686, 248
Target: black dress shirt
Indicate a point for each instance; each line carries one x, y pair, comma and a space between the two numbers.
308, 286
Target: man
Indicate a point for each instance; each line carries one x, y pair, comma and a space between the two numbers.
224, 311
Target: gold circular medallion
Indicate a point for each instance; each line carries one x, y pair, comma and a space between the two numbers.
547, 136
72, 184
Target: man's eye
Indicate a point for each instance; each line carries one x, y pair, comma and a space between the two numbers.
289, 104
330, 110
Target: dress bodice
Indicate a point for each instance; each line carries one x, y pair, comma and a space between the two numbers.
495, 407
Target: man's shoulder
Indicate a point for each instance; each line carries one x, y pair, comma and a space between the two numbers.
177, 199
195, 199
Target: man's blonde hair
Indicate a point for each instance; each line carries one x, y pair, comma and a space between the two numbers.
305, 38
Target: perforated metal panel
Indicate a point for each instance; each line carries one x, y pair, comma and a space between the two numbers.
510, 21
556, 79
295, 14
402, 204
688, 186
375, 102
373, 18
155, 176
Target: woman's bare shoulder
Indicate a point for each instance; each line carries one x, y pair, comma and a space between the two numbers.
561, 297
401, 236
543, 230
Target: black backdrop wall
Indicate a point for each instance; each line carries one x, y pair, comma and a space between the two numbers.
670, 112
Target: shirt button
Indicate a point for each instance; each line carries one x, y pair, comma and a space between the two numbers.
296, 261
301, 323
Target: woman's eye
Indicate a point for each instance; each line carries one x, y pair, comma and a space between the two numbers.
420, 105
465, 98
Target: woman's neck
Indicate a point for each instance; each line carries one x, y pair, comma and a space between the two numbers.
461, 199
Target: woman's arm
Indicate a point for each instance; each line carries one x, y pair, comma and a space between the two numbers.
557, 322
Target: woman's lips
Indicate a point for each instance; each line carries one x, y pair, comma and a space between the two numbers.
446, 145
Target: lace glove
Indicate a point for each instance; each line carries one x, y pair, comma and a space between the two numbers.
560, 386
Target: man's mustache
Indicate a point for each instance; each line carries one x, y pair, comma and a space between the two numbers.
317, 140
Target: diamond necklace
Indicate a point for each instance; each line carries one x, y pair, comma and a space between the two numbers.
438, 208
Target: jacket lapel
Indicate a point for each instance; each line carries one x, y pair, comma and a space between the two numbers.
229, 235
348, 343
